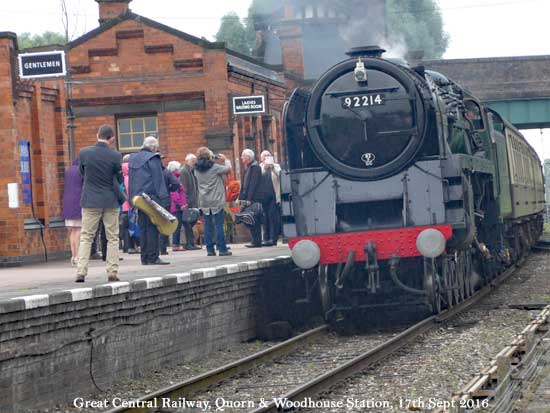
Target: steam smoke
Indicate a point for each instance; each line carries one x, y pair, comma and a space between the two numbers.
362, 32
395, 48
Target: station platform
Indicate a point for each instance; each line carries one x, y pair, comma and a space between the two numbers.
47, 278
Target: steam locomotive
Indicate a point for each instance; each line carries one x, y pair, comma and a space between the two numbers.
401, 188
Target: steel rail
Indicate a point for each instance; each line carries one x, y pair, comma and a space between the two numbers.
542, 245
324, 382
370, 357
501, 383
213, 377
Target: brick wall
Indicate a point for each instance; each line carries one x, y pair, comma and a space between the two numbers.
293, 51
131, 329
133, 64
264, 127
499, 78
31, 111
185, 132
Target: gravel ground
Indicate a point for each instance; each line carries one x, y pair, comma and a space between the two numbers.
443, 361
130, 390
327, 352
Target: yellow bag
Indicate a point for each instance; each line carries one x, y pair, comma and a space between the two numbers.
165, 222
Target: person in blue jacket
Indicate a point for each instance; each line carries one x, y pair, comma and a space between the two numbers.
146, 175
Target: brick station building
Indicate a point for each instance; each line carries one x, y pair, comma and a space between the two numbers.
140, 76
31, 118
146, 78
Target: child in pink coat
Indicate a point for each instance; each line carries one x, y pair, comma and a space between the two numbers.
178, 202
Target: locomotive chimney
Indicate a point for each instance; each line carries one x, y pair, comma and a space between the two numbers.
366, 51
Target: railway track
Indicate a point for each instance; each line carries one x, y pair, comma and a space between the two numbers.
268, 397
542, 246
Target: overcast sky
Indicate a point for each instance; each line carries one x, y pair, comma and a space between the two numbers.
477, 28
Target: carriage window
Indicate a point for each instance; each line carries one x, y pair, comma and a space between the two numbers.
320, 11
132, 132
473, 113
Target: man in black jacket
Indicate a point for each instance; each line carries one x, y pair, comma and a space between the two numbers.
250, 193
145, 175
190, 186
101, 168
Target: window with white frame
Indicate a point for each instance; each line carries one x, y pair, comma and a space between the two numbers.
132, 131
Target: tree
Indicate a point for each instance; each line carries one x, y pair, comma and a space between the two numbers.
259, 10
233, 33
413, 24
26, 40
419, 25
242, 37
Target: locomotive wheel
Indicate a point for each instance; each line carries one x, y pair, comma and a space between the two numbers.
326, 284
460, 276
432, 286
453, 268
438, 295
447, 282
469, 274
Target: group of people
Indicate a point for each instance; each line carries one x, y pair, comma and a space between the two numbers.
100, 185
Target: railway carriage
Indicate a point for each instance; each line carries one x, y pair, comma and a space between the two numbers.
402, 188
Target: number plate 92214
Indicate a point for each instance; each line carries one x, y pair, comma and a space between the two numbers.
360, 101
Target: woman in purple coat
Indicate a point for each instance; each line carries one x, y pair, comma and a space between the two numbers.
72, 212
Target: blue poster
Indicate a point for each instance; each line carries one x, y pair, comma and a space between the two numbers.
25, 158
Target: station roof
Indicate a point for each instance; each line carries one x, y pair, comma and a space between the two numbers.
235, 59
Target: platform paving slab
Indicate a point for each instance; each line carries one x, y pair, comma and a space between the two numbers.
42, 280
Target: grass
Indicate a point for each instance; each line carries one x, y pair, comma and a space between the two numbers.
547, 227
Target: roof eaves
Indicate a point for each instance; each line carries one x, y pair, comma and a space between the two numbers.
152, 23
10, 35
276, 68
98, 30
182, 35
256, 76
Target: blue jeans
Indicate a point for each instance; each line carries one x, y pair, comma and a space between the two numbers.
220, 236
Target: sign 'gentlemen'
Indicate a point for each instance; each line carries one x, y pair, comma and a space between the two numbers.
43, 64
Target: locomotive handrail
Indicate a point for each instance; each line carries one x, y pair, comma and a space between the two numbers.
354, 92
314, 187
302, 170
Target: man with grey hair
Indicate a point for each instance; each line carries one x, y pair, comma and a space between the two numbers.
250, 193
145, 175
190, 186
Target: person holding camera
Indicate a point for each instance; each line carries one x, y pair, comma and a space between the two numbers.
190, 186
251, 193
271, 198
209, 172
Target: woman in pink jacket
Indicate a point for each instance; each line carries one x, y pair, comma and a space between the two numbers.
178, 202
